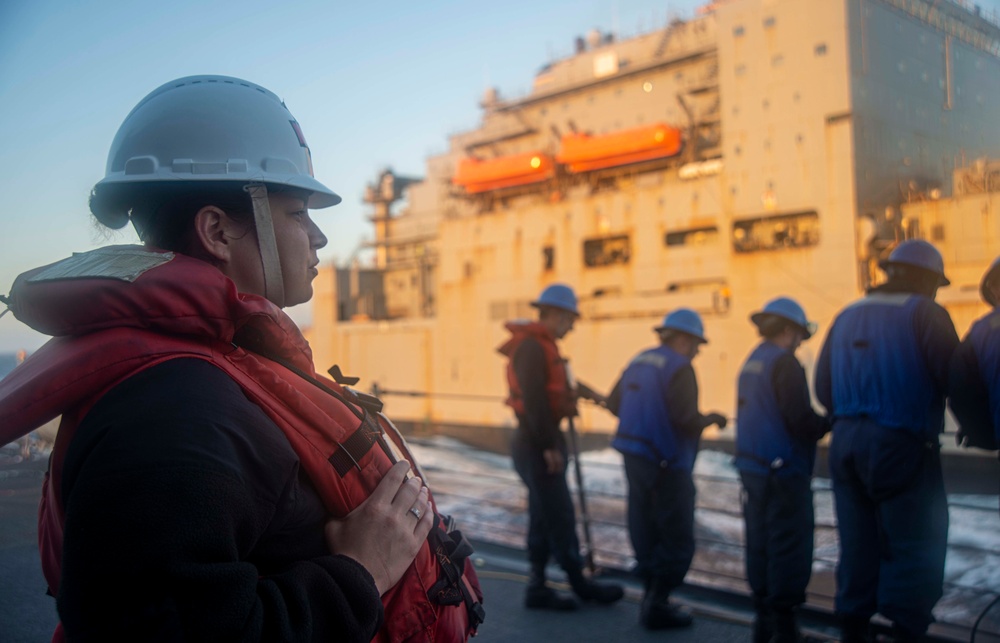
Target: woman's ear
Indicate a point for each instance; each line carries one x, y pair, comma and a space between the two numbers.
214, 233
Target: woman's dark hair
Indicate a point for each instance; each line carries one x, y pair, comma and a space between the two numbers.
163, 214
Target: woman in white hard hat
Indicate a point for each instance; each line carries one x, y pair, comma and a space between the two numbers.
206, 483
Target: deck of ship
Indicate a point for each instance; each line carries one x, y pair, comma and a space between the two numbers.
722, 614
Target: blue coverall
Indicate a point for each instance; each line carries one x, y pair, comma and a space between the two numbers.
659, 428
882, 375
776, 436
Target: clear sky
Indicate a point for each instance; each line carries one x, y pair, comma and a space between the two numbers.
374, 84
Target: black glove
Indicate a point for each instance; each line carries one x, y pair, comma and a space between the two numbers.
717, 419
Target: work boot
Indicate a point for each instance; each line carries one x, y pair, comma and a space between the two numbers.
540, 596
763, 626
786, 630
855, 629
543, 597
902, 635
658, 613
591, 590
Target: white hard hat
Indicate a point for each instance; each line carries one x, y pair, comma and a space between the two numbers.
212, 128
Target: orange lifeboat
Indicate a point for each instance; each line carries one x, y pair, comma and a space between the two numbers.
583, 153
477, 175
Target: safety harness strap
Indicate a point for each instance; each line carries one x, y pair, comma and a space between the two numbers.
452, 550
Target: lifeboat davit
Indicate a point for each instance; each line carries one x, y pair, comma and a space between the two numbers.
483, 175
584, 153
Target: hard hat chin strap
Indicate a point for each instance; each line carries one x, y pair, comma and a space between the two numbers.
274, 285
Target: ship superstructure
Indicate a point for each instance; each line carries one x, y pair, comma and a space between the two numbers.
762, 148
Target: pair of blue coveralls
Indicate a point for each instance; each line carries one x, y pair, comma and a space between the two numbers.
656, 400
776, 437
882, 374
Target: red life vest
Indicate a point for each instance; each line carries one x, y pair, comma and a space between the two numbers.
556, 384
109, 329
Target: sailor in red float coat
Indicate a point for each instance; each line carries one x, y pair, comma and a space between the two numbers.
108, 335
540, 396
206, 483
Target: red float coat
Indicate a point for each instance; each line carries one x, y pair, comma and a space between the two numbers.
556, 383
109, 328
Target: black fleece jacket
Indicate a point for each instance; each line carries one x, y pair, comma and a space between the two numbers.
189, 518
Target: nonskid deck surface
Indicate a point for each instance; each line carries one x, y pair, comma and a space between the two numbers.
503, 574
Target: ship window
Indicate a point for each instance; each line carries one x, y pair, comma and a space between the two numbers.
820, 49
607, 251
738, 31
769, 21
692, 237
548, 258
774, 232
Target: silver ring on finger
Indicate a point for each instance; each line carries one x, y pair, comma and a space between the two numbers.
416, 512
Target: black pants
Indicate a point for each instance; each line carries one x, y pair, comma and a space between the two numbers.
552, 520
780, 522
660, 520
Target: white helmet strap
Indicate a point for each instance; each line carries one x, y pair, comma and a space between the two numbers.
274, 285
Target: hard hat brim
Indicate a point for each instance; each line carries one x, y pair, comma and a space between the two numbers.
942, 280
660, 329
539, 304
760, 317
320, 196
992, 274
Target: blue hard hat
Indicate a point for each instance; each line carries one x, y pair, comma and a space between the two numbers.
558, 296
686, 321
991, 275
788, 309
918, 253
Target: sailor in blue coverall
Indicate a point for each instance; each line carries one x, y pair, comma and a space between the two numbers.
656, 401
883, 376
974, 383
776, 434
